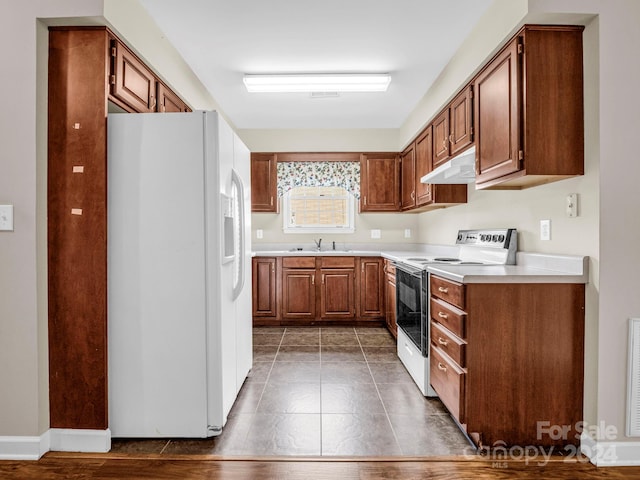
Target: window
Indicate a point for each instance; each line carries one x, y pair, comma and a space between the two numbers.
318, 210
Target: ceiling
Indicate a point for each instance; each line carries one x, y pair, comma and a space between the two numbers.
224, 39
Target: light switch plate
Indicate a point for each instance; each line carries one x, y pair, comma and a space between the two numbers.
259, 233
375, 233
6, 218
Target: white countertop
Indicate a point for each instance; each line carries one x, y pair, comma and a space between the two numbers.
529, 268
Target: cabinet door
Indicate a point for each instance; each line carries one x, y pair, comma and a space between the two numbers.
264, 287
131, 81
424, 162
379, 182
264, 178
298, 294
169, 101
461, 129
497, 116
337, 294
371, 288
390, 298
441, 138
408, 175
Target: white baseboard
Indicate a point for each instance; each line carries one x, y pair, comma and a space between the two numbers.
610, 454
56, 439
77, 440
23, 447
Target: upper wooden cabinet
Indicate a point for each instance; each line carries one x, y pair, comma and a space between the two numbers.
132, 81
453, 128
528, 110
264, 179
408, 176
379, 182
424, 162
169, 101
134, 87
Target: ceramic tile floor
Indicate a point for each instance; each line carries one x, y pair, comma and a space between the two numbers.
324, 391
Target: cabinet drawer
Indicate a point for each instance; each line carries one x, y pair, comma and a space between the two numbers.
449, 343
448, 380
338, 262
448, 291
452, 318
390, 268
299, 262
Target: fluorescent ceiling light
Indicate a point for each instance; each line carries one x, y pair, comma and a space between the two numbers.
317, 83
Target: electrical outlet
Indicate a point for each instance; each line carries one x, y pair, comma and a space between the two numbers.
545, 229
259, 233
407, 233
375, 233
6, 218
572, 205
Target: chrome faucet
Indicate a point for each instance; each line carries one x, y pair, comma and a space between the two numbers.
318, 243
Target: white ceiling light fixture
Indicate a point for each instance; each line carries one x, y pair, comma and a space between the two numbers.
309, 83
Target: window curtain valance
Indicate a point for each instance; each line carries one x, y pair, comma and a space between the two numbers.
319, 174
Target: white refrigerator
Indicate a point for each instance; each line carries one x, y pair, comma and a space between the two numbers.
179, 270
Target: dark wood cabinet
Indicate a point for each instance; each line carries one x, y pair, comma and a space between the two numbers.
424, 162
453, 128
264, 182
528, 110
337, 288
169, 102
505, 356
390, 297
299, 288
264, 287
380, 182
408, 176
89, 67
371, 288
132, 82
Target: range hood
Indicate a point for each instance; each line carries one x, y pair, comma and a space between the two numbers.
460, 169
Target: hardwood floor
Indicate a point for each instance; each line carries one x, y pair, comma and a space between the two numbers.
59, 466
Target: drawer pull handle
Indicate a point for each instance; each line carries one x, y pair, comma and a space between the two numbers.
443, 315
442, 341
443, 290
442, 367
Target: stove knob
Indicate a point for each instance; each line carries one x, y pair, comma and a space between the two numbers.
501, 238
459, 237
494, 238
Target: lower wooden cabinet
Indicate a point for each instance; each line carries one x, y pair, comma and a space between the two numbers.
316, 290
511, 359
390, 297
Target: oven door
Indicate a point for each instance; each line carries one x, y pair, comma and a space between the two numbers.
411, 303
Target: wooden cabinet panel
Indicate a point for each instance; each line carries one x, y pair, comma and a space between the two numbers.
461, 122
264, 287
337, 294
448, 291
450, 344
264, 183
298, 294
449, 316
169, 102
390, 298
497, 113
371, 288
132, 82
448, 380
379, 182
408, 176
424, 163
529, 123
441, 138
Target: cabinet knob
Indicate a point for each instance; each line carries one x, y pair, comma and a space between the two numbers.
443, 315
443, 289
442, 367
413, 195
442, 341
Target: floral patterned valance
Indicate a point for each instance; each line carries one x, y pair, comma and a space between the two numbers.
319, 174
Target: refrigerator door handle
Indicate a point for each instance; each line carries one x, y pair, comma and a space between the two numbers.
237, 181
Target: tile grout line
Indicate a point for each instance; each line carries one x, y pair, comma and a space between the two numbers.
384, 407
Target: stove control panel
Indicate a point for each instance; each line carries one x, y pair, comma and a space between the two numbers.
498, 237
